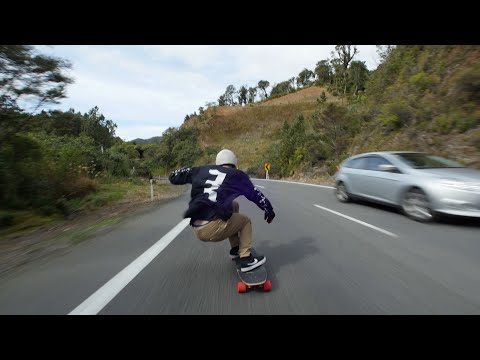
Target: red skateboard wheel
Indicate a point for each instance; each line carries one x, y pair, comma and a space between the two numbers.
241, 287
267, 286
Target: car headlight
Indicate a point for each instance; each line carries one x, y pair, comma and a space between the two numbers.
460, 185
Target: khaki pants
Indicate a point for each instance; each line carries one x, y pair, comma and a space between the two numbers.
238, 229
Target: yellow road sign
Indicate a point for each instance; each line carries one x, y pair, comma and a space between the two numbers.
267, 166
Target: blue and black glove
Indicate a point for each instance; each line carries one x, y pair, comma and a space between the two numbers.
269, 215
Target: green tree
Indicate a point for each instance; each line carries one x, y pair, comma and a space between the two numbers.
263, 85
323, 72
41, 171
282, 88
178, 147
336, 126
210, 104
165, 156
222, 101
323, 97
67, 123
344, 54
96, 126
120, 159
292, 145
384, 51
287, 147
140, 149
304, 77
341, 58
242, 95
186, 149
24, 73
12, 118
292, 82
358, 76
187, 152
252, 92
230, 95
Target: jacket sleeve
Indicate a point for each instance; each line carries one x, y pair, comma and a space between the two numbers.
248, 190
181, 176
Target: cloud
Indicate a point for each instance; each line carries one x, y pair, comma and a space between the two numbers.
196, 57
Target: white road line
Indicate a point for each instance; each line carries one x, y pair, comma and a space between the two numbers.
298, 183
263, 187
99, 299
358, 221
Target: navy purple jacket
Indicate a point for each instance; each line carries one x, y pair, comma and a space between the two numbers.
213, 190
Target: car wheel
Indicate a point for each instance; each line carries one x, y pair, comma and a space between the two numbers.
416, 206
341, 193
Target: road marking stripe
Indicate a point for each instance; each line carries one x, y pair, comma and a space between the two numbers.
358, 221
99, 299
263, 187
299, 183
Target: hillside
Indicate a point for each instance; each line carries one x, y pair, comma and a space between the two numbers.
307, 95
251, 130
152, 140
422, 98
425, 98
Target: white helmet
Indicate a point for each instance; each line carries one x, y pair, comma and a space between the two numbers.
226, 157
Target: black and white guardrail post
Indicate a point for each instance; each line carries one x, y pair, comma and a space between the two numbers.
151, 189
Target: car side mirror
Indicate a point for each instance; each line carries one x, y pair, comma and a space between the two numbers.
388, 168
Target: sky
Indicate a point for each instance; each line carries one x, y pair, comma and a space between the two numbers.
147, 89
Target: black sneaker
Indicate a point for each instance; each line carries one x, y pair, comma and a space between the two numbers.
234, 253
250, 263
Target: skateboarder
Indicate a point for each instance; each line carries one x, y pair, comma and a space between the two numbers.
214, 215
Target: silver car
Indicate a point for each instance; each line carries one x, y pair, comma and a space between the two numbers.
422, 185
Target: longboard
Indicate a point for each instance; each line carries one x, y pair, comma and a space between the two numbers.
256, 278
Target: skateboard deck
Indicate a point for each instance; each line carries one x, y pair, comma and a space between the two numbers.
256, 278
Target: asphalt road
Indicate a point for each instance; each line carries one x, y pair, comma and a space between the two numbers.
323, 257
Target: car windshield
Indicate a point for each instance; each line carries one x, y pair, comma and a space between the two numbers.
424, 161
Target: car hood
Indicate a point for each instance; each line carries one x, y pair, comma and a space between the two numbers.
461, 174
